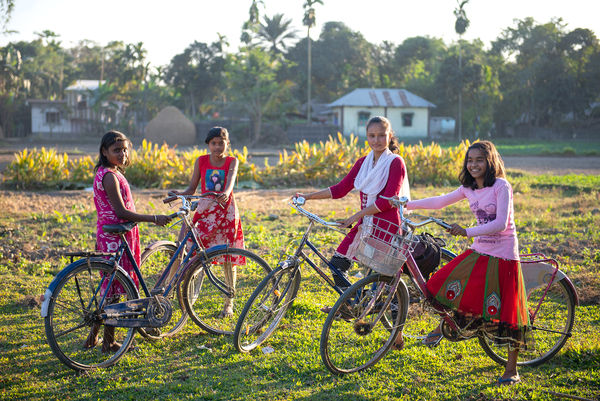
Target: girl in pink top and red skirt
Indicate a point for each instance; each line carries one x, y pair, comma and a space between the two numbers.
485, 281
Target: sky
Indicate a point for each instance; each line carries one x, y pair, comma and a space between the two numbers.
167, 27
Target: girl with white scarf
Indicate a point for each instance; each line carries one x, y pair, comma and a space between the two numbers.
381, 172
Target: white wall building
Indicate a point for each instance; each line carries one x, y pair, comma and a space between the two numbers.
408, 113
78, 114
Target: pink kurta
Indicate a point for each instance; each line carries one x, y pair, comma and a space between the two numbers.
106, 242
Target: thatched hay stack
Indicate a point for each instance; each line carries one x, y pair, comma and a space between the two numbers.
172, 127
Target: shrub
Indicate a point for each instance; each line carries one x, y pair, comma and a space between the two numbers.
317, 164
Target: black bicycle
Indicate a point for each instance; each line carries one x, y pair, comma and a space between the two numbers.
81, 299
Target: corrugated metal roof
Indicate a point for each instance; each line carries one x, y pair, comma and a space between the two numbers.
85, 84
381, 97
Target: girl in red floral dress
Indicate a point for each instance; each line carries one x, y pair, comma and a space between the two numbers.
218, 222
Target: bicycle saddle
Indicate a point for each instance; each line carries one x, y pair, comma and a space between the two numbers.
119, 228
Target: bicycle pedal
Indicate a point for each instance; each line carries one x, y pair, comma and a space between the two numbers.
157, 291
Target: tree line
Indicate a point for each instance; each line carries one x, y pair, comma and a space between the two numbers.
533, 75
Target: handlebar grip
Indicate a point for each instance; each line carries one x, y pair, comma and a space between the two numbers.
445, 225
173, 215
169, 199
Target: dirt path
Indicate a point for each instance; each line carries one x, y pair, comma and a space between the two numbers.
554, 165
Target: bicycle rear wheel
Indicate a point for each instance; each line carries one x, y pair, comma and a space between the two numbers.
204, 301
154, 260
351, 339
422, 319
551, 327
266, 308
74, 329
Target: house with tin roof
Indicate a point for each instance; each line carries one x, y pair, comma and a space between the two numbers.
82, 112
408, 113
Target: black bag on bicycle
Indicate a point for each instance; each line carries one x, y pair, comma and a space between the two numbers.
427, 253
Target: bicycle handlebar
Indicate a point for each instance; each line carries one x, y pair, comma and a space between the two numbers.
172, 196
297, 204
401, 202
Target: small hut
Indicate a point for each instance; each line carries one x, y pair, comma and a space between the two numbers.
172, 127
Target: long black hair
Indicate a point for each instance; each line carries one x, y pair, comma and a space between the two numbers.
107, 141
494, 166
394, 146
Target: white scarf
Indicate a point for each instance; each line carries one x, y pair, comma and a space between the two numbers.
371, 179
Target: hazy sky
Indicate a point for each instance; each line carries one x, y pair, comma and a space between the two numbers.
168, 27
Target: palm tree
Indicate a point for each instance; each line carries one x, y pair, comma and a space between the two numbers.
275, 32
460, 26
309, 21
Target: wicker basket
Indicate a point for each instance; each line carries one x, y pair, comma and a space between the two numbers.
381, 247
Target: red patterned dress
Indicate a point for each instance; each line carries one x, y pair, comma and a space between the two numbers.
106, 242
215, 224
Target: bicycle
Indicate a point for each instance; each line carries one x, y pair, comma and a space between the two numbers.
77, 300
365, 321
268, 304
204, 314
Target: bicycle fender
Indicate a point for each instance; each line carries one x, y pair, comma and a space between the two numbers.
157, 244
66, 271
215, 248
538, 275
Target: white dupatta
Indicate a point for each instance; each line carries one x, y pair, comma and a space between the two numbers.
371, 179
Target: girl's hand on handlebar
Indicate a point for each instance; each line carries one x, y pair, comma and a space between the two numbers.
162, 220
222, 198
349, 221
455, 229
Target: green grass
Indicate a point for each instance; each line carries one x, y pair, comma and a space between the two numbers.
560, 221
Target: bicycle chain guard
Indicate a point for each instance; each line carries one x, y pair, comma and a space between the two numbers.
156, 309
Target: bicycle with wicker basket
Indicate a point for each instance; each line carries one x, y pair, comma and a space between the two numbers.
365, 321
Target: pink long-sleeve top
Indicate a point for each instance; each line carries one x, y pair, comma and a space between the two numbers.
397, 173
495, 233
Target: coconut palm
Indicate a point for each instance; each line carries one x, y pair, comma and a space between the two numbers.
276, 32
460, 26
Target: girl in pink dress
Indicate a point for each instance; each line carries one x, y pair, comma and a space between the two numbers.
485, 281
381, 172
114, 205
218, 222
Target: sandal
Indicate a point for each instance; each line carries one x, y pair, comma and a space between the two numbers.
509, 381
432, 340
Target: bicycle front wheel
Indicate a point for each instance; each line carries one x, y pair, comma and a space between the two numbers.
266, 308
75, 332
551, 327
154, 260
352, 338
206, 303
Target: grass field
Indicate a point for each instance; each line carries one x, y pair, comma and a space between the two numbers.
560, 220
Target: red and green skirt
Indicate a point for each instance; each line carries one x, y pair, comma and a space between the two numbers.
484, 286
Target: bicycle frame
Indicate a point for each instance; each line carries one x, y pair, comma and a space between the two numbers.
122, 309
305, 241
